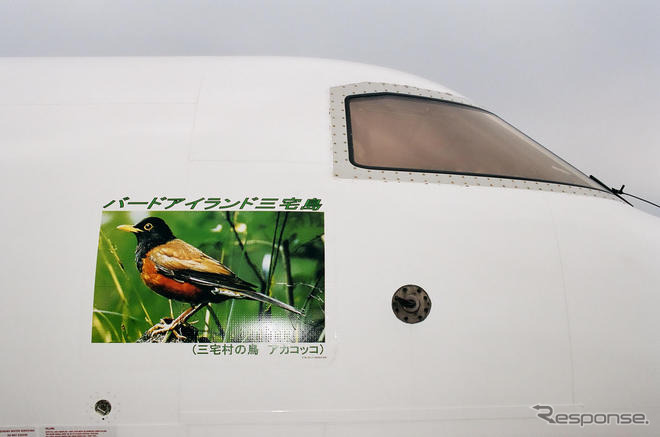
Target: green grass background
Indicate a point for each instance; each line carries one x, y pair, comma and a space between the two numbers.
124, 307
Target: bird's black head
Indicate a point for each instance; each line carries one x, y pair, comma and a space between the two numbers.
150, 233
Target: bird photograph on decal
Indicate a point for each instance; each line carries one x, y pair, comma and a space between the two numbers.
194, 277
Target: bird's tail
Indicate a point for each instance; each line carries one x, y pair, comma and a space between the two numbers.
255, 295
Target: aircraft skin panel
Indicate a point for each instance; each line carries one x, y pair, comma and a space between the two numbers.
611, 314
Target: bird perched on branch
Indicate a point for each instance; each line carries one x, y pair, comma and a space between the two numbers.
177, 270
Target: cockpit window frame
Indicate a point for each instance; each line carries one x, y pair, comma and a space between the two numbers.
345, 167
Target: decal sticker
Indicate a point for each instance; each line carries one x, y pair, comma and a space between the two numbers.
19, 431
239, 282
78, 431
58, 431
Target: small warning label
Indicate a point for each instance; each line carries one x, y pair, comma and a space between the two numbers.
83, 431
19, 432
57, 431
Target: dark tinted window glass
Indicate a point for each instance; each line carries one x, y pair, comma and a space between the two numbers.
410, 133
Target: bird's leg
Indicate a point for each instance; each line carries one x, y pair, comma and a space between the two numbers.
189, 313
164, 327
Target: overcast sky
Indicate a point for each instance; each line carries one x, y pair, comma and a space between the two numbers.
581, 77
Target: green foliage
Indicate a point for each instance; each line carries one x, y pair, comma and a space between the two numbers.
124, 308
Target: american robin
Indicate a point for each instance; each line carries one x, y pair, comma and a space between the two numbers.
177, 270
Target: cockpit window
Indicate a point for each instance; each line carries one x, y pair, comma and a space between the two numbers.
409, 133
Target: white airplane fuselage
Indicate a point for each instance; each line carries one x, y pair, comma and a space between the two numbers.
539, 297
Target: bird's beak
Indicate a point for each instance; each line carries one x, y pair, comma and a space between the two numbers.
129, 228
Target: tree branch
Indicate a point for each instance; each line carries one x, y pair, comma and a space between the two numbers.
287, 269
261, 280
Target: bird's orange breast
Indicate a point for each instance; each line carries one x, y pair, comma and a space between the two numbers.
168, 287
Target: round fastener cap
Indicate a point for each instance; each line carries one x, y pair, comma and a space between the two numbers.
411, 304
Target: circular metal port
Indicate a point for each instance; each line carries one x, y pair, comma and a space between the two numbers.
102, 407
411, 304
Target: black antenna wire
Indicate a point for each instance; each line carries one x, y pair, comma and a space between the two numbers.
620, 191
